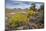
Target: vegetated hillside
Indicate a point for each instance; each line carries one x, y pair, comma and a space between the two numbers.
20, 19
27, 19
15, 10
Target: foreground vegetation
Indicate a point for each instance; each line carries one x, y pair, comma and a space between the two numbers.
31, 19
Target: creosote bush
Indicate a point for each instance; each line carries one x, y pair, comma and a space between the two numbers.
18, 20
31, 13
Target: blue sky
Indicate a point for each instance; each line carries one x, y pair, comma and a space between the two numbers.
19, 4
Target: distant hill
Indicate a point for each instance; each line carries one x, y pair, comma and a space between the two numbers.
15, 10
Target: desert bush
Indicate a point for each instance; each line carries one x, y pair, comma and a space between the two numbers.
17, 20
31, 13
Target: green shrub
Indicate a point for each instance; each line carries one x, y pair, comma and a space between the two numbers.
18, 20
32, 13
